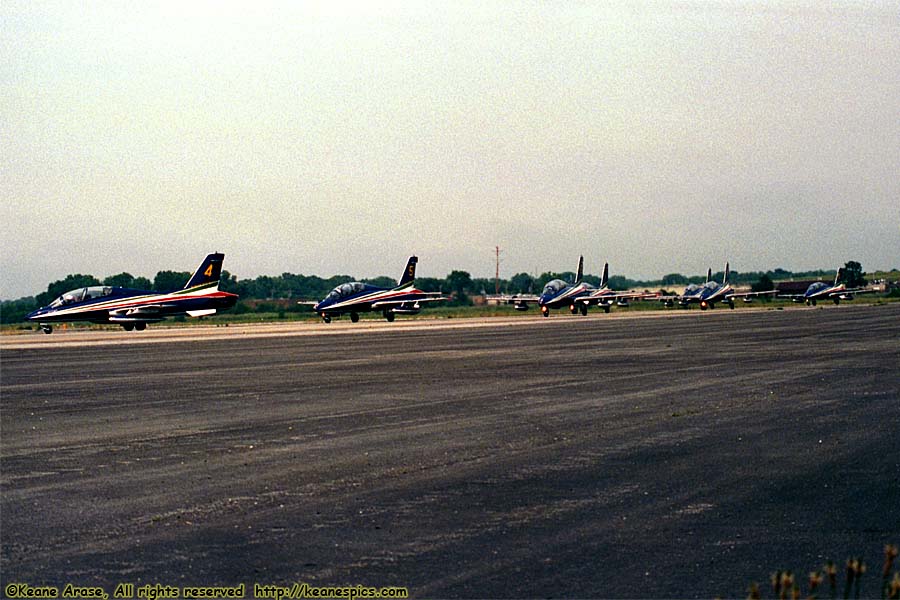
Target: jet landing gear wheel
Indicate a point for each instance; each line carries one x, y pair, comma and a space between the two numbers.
326, 319
140, 326
354, 317
389, 315
584, 310
48, 329
573, 309
545, 311
128, 326
606, 308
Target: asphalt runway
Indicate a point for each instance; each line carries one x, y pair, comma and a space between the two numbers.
649, 457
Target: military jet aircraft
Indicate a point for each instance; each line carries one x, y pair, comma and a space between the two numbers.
822, 291
133, 309
556, 294
711, 292
605, 297
356, 297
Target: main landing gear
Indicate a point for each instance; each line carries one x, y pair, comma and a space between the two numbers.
354, 317
575, 309
545, 311
133, 326
389, 315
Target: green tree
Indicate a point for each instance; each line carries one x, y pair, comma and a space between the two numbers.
430, 284
125, 280
521, 283
266, 287
484, 285
383, 281
169, 281
674, 279
618, 282
853, 275
14, 311
459, 282
765, 284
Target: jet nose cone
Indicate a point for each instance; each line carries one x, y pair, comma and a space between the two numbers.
34, 315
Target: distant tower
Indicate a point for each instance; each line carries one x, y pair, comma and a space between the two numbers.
497, 274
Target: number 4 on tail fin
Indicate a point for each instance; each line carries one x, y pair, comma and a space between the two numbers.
209, 271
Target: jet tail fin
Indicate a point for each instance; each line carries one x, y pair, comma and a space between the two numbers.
840, 274
709, 275
604, 281
727, 274
409, 275
209, 271
580, 270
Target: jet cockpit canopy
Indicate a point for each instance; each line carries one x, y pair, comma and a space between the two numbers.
345, 289
691, 288
819, 285
554, 286
82, 294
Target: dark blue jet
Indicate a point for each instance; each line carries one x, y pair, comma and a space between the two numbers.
133, 309
357, 297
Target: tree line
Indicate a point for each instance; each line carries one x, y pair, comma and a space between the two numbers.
262, 293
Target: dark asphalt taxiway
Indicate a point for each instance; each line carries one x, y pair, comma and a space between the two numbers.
570, 456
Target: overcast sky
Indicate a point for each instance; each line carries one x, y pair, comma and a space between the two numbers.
339, 138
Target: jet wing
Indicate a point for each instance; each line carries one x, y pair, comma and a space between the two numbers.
389, 303
842, 293
752, 294
622, 296
515, 299
125, 319
149, 313
139, 311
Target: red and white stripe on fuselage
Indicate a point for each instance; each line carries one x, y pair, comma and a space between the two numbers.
828, 291
372, 298
132, 302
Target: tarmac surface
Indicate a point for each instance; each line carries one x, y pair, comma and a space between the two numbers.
600, 456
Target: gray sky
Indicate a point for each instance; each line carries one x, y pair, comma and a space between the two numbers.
327, 138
